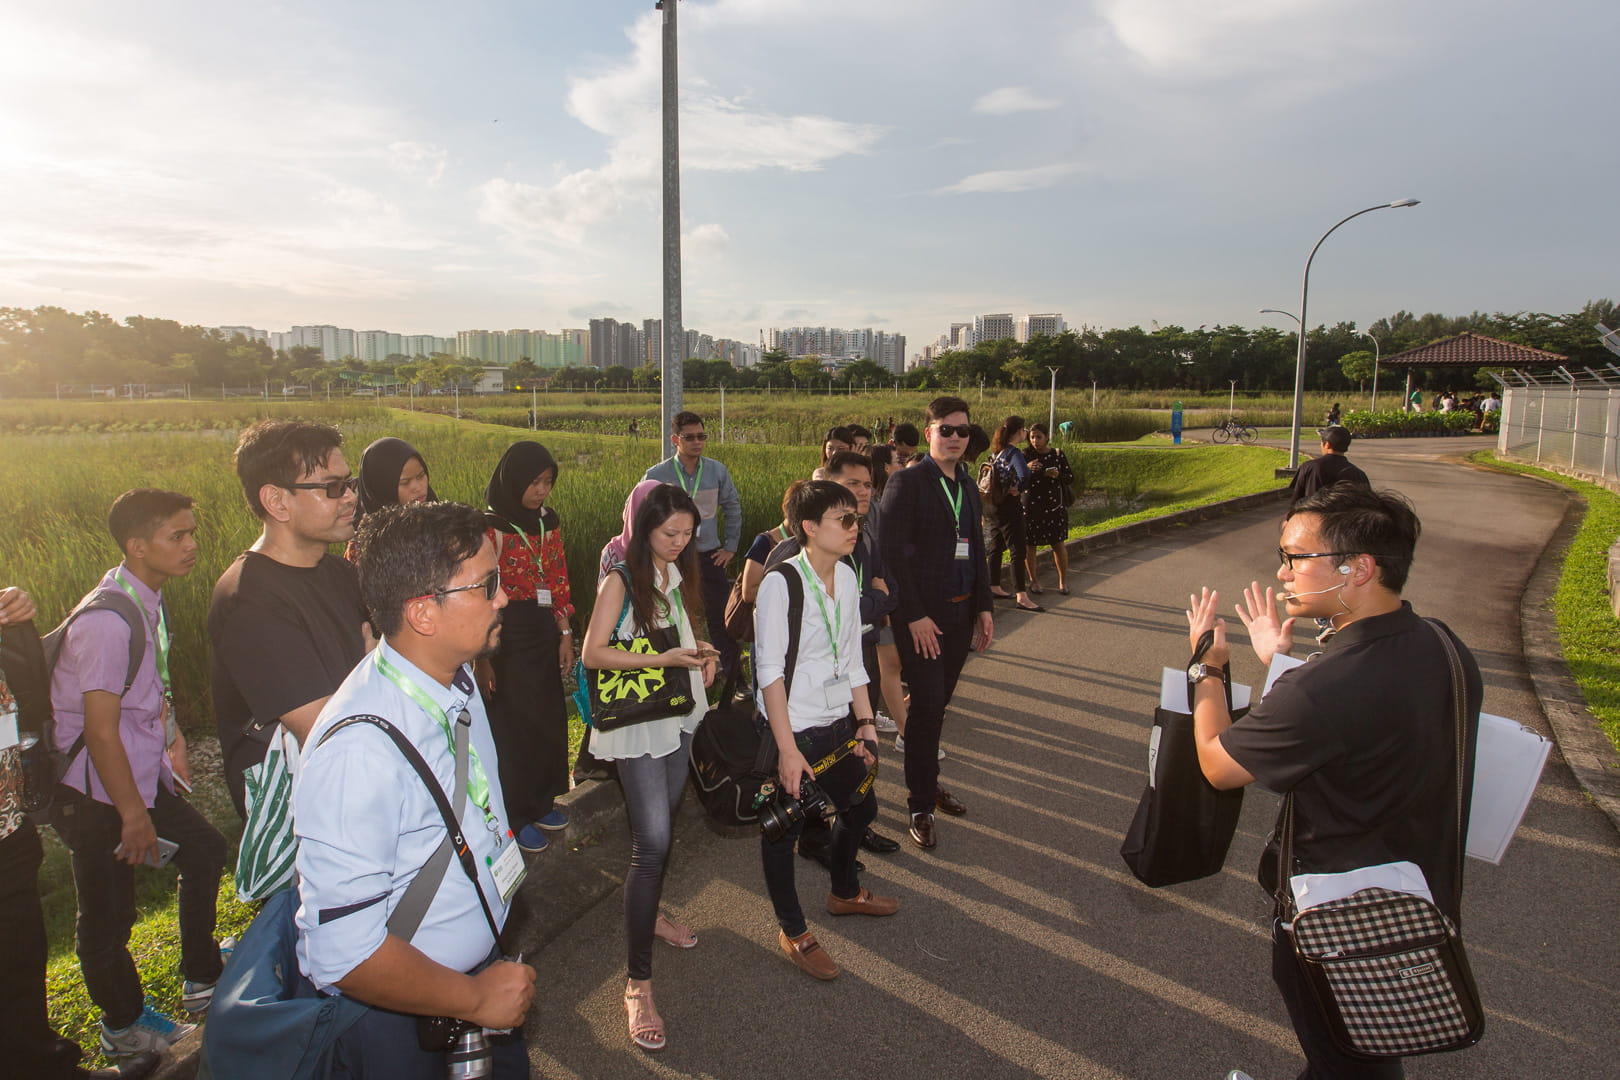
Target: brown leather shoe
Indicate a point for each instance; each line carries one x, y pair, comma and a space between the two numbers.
863, 904
808, 955
922, 830
949, 803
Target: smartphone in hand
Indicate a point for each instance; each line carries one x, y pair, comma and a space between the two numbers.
165, 851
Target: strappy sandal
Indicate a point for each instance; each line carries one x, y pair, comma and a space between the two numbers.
677, 936
648, 1034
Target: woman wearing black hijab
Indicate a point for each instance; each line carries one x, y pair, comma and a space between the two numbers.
391, 471
523, 680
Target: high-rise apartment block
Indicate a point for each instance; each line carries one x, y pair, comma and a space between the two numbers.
1050, 324
884, 348
993, 327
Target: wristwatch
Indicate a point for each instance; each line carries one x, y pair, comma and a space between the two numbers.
1198, 672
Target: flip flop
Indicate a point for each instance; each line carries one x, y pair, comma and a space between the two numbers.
680, 937
1036, 607
649, 1034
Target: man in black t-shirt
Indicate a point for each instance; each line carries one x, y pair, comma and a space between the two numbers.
286, 621
1329, 469
1363, 735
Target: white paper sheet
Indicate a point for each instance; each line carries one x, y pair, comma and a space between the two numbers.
1173, 691
1313, 889
8, 729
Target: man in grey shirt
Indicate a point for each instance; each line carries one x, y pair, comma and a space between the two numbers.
710, 486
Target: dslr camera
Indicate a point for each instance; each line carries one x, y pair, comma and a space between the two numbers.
781, 812
467, 1051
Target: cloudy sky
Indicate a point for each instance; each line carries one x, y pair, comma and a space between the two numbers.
430, 167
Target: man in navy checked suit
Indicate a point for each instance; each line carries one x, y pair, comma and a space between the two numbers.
933, 548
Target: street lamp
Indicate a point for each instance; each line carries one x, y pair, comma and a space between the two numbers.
1279, 311
1377, 355
1304, 295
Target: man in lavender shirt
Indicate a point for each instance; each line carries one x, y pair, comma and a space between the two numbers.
117, 796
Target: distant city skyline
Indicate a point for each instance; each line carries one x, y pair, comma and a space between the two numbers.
1123, 161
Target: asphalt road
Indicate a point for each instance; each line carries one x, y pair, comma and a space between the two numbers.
1023, 946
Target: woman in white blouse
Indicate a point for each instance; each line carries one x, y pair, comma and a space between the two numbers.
824, 714
645, 591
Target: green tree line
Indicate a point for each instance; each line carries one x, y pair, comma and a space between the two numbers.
43, 347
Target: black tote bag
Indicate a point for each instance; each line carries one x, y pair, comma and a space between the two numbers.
1183, 825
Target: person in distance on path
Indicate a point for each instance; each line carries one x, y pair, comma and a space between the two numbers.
1362, 735
933, 546
1329, 469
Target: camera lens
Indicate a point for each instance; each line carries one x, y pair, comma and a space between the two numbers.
469, 1057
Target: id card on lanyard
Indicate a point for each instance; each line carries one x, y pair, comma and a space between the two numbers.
542, 595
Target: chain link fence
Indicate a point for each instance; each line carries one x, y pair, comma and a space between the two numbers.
1571, 427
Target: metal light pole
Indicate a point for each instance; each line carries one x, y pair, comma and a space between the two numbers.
1051, 405
1377, 355
1304, 296
674, 349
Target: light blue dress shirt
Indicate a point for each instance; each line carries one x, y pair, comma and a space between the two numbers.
366, 823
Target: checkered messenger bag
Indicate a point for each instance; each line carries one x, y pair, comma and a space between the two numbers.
1388, 968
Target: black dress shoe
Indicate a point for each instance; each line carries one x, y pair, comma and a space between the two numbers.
922, 830
949, 803
819, 854
879, 844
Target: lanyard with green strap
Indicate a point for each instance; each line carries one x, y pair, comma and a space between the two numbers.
827, 624
477, 779
161, 641
680, 477
955, 500
533, 545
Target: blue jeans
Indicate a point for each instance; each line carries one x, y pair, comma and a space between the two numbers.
652, 792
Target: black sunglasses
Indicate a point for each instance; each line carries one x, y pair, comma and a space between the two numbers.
848, 519
947, 430
333, 489
490, 583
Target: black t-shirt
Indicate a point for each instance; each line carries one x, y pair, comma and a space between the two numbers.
1364, 736
283, 636
1325, 471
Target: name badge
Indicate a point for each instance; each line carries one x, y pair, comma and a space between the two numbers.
838, 691
542, 597
961, 549
508, 871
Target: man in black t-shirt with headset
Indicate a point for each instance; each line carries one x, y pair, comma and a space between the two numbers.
286, 620
1363, 735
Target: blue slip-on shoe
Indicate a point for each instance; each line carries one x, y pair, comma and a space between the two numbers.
531, 839
555, 821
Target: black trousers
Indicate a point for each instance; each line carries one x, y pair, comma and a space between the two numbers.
106, 895
27, 1042
527, 715
847, 829
716, 590
932, 682
1004, 532
1323, 1058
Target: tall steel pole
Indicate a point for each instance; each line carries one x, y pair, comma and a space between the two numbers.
1378, 354
1304, 296
673, 352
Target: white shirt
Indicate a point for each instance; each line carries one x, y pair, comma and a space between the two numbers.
816, 698
366, 823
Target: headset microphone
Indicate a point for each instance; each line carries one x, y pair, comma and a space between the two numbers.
1344, 568
1314, 592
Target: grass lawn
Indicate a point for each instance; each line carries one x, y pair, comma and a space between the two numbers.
1587, 629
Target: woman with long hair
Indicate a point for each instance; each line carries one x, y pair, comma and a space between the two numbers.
838, 438
641, 593
523, 680
1004, 521
1046, 509
392, 472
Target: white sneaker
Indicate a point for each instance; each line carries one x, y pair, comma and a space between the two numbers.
196, 997
883, 722
900, 746
151, 1031
1238, 1074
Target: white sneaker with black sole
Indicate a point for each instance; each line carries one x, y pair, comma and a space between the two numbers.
151, 1031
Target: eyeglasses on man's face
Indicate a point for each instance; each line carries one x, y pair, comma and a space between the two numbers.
1287, 557
332, 489
490, 583
958, 430
692, 436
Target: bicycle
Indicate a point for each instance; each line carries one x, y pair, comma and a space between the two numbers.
1230, 429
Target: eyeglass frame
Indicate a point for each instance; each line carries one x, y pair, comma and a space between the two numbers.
1286, 558
843, 519
960, 431
348, 483
692, 436
490, 583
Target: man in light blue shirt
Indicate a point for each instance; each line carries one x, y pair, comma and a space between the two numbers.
709, 484
367, 822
